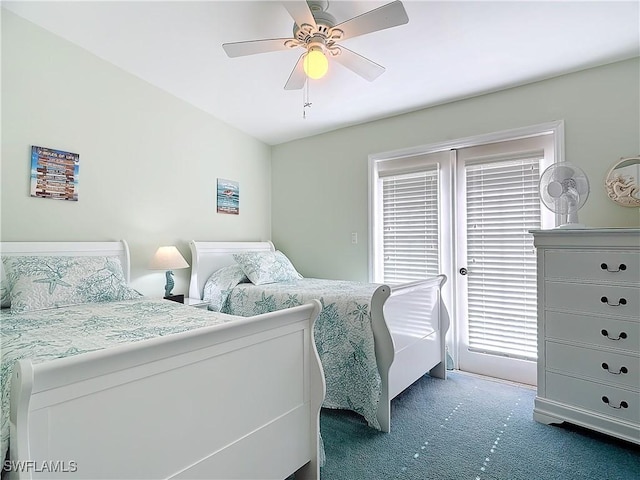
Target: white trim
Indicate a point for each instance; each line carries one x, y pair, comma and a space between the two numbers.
556, 127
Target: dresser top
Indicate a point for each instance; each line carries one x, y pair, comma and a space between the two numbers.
588, 237
587, 231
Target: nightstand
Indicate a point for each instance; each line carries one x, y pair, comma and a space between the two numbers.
196, 302
175, 298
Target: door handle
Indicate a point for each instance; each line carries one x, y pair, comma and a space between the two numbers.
463, 271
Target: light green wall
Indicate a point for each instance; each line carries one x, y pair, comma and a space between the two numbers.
320, 184
148, 161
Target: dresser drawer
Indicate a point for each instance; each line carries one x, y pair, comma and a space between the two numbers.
598, 331
603, 399
617, 368
612, 300
594, 265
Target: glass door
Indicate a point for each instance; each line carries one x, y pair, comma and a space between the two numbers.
465, 209
497, 205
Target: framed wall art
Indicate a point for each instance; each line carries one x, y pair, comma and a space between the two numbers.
623, 182
228, 197
54, 174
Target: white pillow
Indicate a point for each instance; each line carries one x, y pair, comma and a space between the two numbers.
266, 267
219, 285
45, 282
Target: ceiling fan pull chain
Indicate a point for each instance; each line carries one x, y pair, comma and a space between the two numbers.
305, 100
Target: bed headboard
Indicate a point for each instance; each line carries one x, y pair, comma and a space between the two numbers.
207, 257
71, 249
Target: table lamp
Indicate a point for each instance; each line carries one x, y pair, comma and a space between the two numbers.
169, 258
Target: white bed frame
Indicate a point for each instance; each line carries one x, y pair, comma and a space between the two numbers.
239, 400
409, 321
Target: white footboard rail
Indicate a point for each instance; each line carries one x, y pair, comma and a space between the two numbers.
410, 322
239, 400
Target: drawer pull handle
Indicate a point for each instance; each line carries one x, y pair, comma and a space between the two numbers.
623, 404
605, 366
622, 335
622, 301
621, 268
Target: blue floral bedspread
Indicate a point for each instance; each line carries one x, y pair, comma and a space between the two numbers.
343, 334
62, 332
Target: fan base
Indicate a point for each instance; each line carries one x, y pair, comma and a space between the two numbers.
570, 226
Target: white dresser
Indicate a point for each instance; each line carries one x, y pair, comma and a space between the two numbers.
589, 329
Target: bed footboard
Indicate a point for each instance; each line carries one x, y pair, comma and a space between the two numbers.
410, 328
239, 400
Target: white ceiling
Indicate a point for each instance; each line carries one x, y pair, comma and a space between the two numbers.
449, 50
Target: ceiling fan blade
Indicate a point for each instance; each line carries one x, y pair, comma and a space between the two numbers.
364, 67
251, 47
387, 16
298, 78
300, 12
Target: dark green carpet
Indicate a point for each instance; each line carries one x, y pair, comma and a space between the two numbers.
467, 427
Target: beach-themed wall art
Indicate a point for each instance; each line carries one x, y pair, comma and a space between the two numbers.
228, 197
623, 182
54, 174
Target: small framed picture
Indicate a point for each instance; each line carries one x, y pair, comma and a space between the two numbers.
54, 174
228, 197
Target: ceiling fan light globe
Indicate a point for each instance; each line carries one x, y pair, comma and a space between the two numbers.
315, 64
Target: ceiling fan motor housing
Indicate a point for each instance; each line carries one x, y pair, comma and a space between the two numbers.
318, 33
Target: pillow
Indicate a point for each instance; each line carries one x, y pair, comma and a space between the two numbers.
5, 289
266, 267
219, 285
38, 283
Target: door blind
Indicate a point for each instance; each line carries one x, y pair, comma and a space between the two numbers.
502, 206
410, 226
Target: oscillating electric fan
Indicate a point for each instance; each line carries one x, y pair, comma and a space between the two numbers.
564, 189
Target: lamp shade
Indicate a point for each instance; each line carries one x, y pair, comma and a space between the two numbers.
168, 258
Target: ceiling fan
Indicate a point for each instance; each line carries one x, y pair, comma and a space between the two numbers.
316, 31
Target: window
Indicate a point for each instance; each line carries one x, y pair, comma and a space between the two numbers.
407, 195
410, 226
502, 205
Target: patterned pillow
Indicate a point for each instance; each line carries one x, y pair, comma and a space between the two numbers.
266, 267
219, 285
44, 282
5, 289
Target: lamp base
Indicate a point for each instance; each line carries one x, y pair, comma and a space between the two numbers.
175, 298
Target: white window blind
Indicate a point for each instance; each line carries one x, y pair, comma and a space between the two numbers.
502, 206
410, 225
